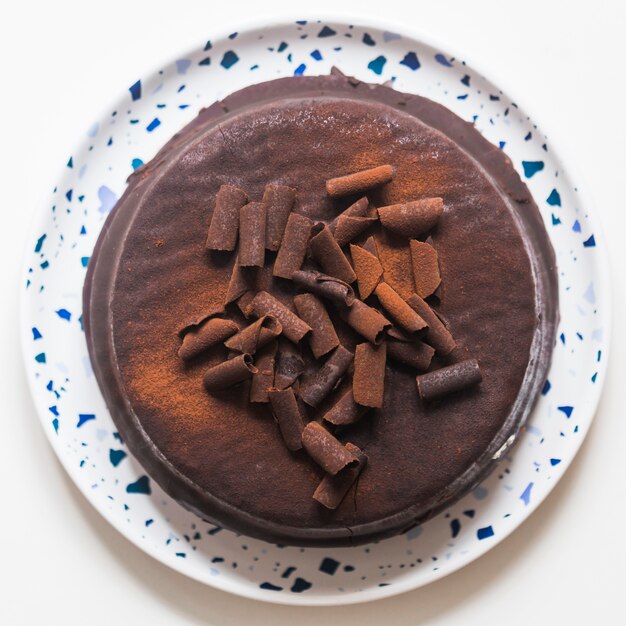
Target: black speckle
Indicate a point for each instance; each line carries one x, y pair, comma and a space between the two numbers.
288, 572
348, 568
301, 585
270, 587
217, 559
329, 566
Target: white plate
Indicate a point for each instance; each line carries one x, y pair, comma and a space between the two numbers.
76, 419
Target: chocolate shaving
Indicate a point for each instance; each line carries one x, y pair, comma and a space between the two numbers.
399, 310
317, 386
329, 255
368, 270
326, 286
289, 364
252, 235
224, 225
367, 321
242, 279
263, 380
293, 247
210, 333
360, 208
368, 383
266, 304
243, 302
349, 228
359, 182
448, 380
256, 335
370, 245
196, 320
411, 219
333, 489
323, 337
399, 335
425, 268
229, 373
326, 450
395, 257
438, 336
278, 201
287, 413
418, 355
345, 411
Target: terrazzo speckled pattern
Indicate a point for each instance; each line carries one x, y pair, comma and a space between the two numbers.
73, 412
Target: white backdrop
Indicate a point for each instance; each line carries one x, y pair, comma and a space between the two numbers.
60, 563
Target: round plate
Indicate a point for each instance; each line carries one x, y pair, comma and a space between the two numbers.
76, 419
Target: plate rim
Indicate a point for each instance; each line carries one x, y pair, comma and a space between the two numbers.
274, 20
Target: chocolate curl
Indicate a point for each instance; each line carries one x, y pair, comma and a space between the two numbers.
417, 355
278, 201
368, 270
447, 380
263, 380
425, 268
293, 247
225, 219
243, 303
317, 386
333, 489
368, 383
266, 304
326, 286
287, 413
399, 310
367, 321
438, 336
242, 279
349, 228
327, 451
359, 182
346, 411
200, 318
210, 333
255, 336
395, 257
360, 208
411, 219
289, 365
323, 337
229, 373
252, 235
326, 251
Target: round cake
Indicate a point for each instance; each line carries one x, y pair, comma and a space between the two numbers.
418, 435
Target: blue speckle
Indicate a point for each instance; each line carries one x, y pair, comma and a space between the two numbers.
136, 163
83, 230
576, 226
135, 90
562, 338
367, 40
567, 410
107, 199
205, 61
555, 220
208, 45
411, 61
39, 243
326, 32
117, 436
329, 566
463, 97
148, 522
469, 513
270, 587
299, 70
116, 456
110, 142
54, 410
288, 572
36, 333
301, 22
554, 462
377, 64
532, 167
55, 425
525, 497
455, 527
554, 199
41, 357
141, 485
441, 59
546, 387
229, 59
594, 377
64, 314
501, 144
529, 136
466, 80
233, 35
317, 55
70, 163
181, 555
485, 533
83, 418
155, 123
182, 65
480, 493
590, 243
283, 46
44, 265
300, 585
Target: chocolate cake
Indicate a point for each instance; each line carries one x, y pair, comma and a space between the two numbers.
322, 312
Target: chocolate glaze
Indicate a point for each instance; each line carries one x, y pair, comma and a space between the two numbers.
224, 458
